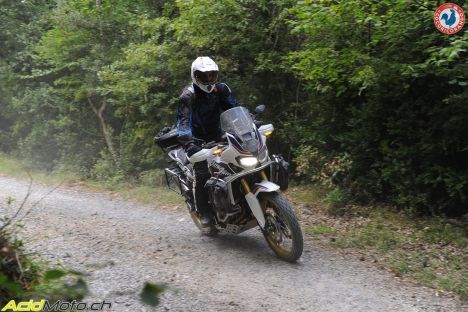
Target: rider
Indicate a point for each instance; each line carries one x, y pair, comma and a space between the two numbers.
200, 106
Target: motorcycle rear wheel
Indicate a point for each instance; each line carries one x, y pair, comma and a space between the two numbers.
281, 224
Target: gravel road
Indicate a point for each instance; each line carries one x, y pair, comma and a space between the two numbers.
122, 244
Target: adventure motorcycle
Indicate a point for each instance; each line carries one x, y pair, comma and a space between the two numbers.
245, 183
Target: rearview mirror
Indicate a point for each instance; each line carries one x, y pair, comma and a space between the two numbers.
260, 109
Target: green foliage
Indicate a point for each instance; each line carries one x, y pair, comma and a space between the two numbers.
155, 177
106, 171
319, 230
388, 96
440, 232
432, 251
336, 200
377, 235
22, 278
150, 294
321, 169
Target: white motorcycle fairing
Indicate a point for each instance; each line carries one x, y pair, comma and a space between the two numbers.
204, 154
254, 204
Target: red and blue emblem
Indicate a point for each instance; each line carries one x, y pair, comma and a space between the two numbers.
449, 18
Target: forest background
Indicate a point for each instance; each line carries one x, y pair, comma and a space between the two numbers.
367, 97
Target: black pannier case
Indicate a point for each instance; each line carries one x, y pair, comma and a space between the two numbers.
280, 172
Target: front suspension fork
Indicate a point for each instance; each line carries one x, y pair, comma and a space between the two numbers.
257, 208
245, 185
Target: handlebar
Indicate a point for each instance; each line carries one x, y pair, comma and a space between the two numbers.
210, 144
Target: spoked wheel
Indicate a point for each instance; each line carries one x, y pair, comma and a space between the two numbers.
209, 231
282, 230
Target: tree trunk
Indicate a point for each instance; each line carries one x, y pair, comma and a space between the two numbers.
104, 128
99, 112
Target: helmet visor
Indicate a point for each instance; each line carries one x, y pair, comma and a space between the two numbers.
207, 78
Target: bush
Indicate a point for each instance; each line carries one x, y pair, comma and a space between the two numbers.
22, 278
105, 170
155, 177
336, 201
393, 101
318, 168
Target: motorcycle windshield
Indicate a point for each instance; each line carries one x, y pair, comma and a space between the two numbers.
238, 122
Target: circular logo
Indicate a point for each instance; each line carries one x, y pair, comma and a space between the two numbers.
449, 18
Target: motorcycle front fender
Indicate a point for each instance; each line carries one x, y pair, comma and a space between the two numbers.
257, 211
254, 204
265, 187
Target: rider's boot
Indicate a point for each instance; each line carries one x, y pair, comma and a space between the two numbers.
205, 218
201, 197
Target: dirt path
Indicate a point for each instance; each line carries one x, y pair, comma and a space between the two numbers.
121, 244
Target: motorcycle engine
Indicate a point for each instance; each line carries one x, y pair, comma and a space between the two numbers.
219, 198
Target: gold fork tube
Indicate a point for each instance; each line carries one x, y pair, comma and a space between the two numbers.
245, 185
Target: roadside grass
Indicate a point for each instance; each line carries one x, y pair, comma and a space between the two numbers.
430, 251
10, 167
144, 193
17, 169
150, 194
316, 231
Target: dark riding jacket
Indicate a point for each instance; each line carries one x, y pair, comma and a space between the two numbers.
198, 112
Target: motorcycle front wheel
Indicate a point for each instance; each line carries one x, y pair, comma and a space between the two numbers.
282, 230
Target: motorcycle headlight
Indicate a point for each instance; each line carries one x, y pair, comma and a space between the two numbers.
248, 161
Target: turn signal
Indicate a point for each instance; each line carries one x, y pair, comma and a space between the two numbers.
217, 152
268, 133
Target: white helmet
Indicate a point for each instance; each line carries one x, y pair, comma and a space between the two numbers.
204, 73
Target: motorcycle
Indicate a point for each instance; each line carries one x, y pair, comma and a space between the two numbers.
245, 183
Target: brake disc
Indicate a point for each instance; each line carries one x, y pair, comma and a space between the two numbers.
274, 229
